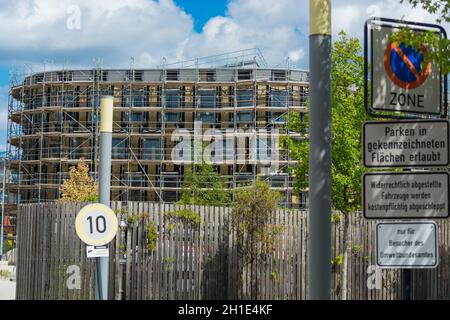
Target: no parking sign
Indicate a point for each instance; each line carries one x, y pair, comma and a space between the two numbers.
400, 78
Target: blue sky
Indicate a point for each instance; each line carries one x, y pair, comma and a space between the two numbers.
75, 32
203, 10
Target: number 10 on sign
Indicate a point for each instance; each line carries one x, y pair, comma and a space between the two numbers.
96, 224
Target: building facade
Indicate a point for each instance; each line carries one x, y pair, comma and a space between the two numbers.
54, 122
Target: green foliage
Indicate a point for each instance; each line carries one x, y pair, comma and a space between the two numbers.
336, 218
275, 276
203, 186
120, 212
7, 246
255, 236
348, 115
152, 236
338, 260
439, 7
169, 261
357, 249
437, 48
184, 215
122, 248
133, 219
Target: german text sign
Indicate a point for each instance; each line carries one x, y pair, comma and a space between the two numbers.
400, 195
406, 143
407, 245
97, 252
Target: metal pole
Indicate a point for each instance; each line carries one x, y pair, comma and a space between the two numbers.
320, 150
406, 284
3, 209
106, 120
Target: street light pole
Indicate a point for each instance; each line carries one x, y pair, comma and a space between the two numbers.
106, 121
320, 150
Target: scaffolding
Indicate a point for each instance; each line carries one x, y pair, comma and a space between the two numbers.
54, 117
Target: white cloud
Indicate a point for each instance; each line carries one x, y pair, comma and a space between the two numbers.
114, 30
350, 16
149, 30
296, 55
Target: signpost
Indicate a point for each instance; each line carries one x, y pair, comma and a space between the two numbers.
401, 81
406, 143
406, 195
96, 224
404, 85
407, 245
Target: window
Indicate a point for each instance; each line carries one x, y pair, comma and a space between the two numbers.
119, 148
136, 179
277, 118
245, 74
207, 117
138, 75
39, 78
278, 98
151, 149
134, 75
172, 117
134, 98
278, 181
65, 76
278, 75
245, 116
75, 149
172, 75
210, 76
70, 99
207, 98
244, 98
263, 148
172, 99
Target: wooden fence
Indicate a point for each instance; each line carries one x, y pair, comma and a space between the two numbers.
197, 261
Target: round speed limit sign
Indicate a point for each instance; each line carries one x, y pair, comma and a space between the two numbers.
96, 224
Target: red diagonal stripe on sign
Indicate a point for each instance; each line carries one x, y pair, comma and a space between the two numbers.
407, 61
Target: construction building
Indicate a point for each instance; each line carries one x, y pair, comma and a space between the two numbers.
54, 122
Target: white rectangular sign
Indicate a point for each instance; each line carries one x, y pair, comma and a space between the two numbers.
407, 245
398, 195
400, 81
407, 143
97, 252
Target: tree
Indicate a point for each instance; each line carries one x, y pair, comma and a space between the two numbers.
438, 48
255, 236
80, 186
203, 186
348, 115
441, 7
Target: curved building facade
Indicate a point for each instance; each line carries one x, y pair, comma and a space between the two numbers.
54, 122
